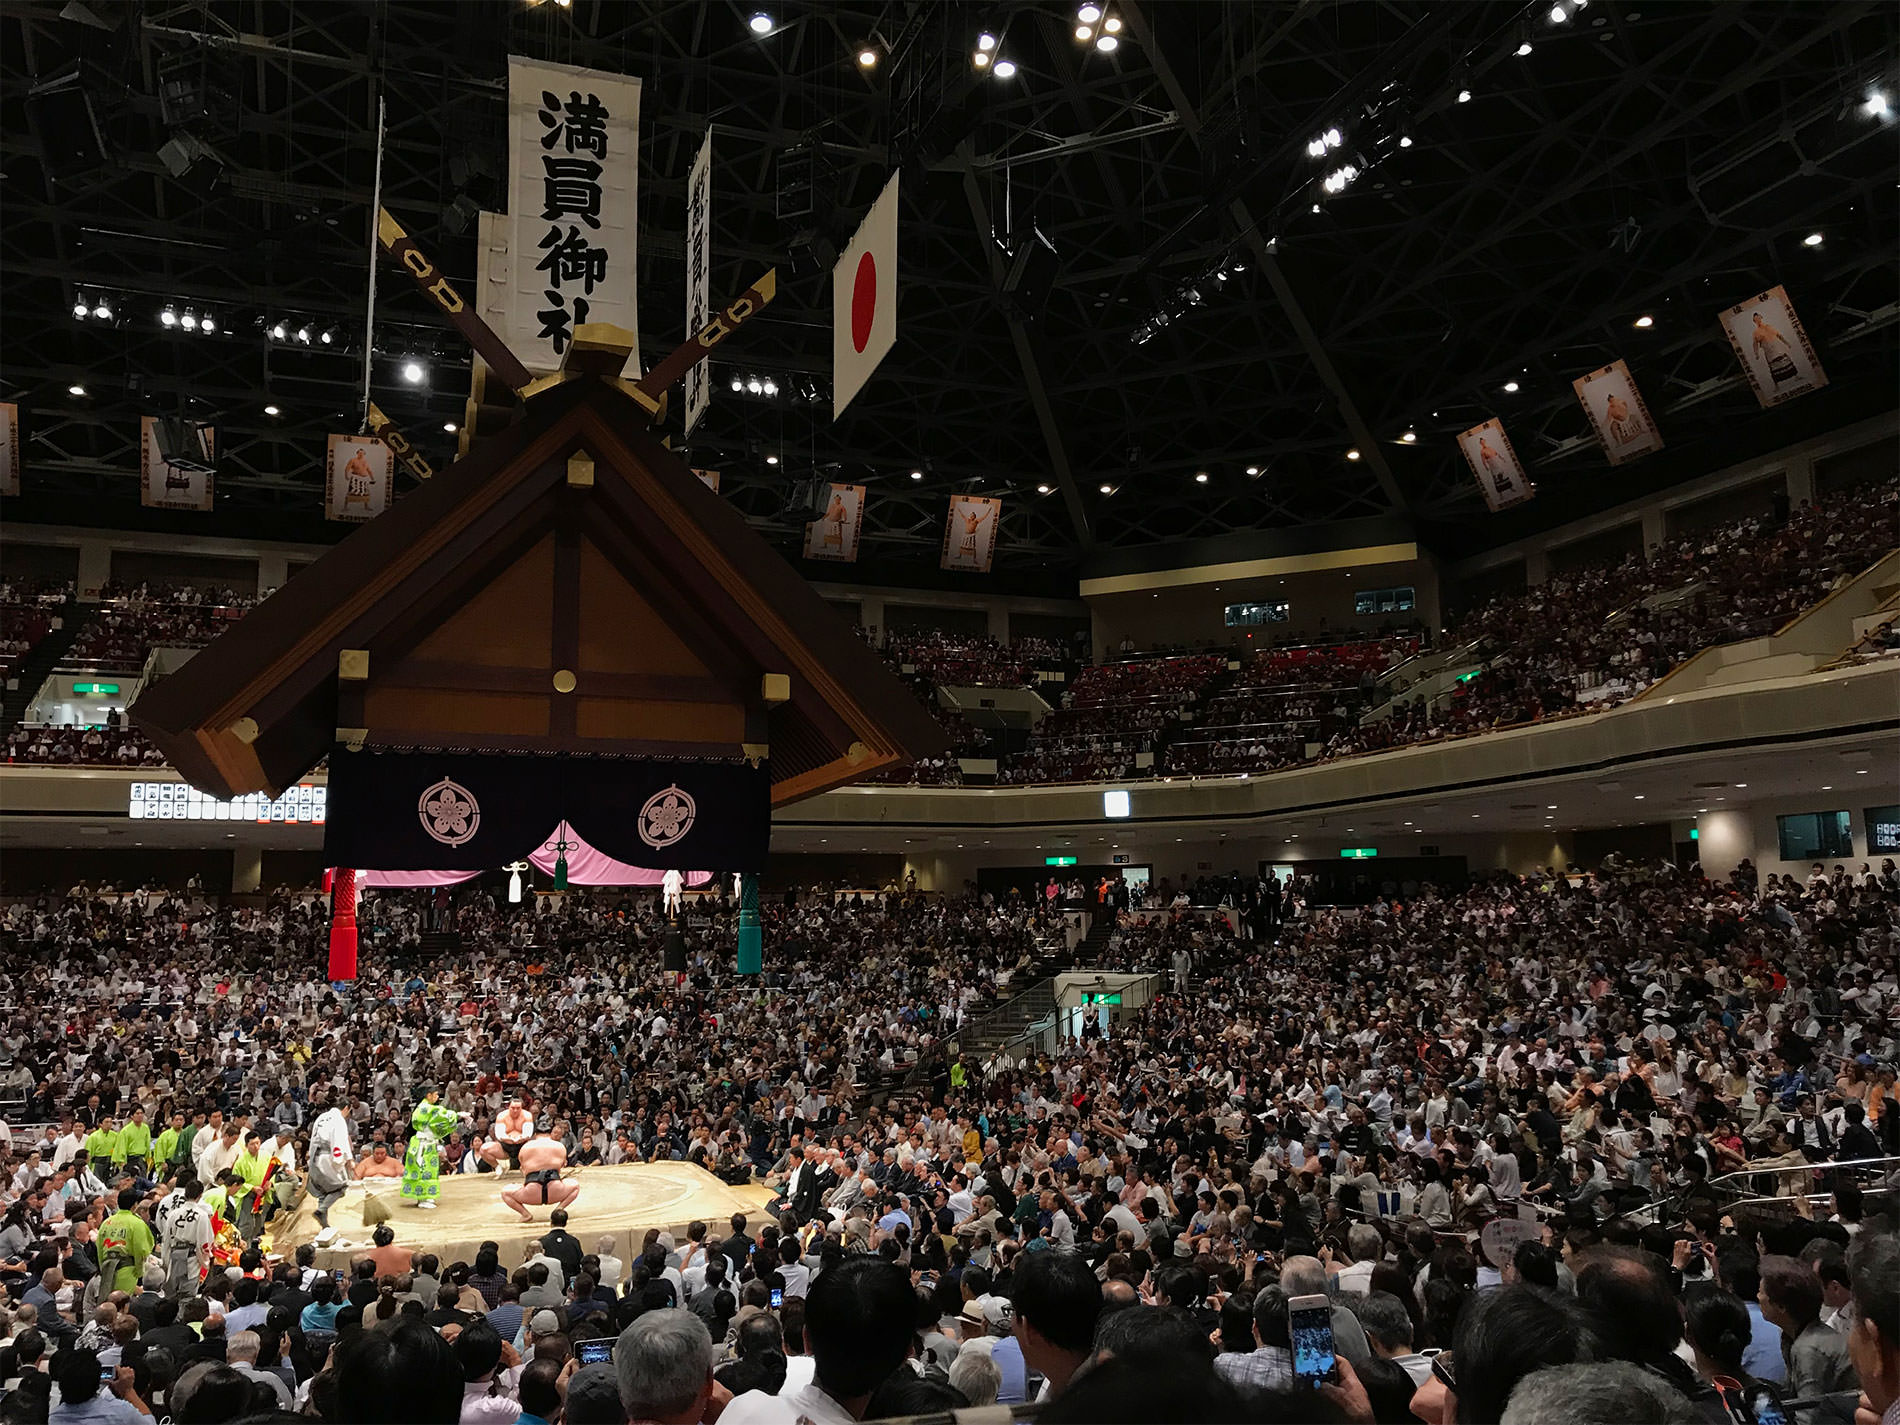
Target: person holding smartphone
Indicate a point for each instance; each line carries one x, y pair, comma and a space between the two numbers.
95, 1395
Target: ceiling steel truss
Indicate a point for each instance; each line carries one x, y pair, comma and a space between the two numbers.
1213, 309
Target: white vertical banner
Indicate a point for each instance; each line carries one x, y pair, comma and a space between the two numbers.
359, 480
969, 533
698, 276
1773, 347
864, 301
1495, 466
1617, 411
834, 534
9, 448
573, 166
184, 483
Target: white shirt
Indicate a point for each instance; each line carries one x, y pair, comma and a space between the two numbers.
788, 1407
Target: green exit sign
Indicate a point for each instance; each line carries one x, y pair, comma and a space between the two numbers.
103, 689
1695, 833
1467, 677
1058, 860
1096, 997
1360, 853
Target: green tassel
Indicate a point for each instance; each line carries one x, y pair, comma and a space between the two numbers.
560, 873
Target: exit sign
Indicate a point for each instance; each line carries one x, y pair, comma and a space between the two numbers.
1695, 833
1058, 860
1467, 677
104, 689
1360, 853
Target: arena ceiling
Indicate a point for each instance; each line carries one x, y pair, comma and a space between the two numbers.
1211, 310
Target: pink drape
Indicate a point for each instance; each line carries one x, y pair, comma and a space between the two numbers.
585, 867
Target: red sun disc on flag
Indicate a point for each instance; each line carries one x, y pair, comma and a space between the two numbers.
863, 302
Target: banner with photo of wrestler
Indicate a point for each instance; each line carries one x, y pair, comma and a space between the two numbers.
969, 533
9, 448
1773, 347
834, 534
182, 481
357, 487
1495, 466
1616, 411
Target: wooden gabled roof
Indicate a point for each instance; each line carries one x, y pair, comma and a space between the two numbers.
568, 587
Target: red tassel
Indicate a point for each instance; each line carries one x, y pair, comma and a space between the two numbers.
329, 876
343, 924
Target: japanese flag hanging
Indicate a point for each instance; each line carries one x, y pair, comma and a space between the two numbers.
864, 301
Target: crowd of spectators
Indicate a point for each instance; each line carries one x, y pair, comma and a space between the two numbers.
1281, 701
113, 744
1111, 715
131, 621
973, 661
1646, 1075
1591, 637
22, 626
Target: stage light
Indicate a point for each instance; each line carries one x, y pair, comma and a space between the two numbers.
1510, 385
867, 58
1107, 44
1410, 437
1005, 69
916, 474
985, 42
1108, 489
413, 373
1524, 49
1200, 477
1876, 105
303, 335
1316, 207
755, 386
771, 460
206, 324
103, 311
1333, 139
75, 390
771, 387
80, 309
1813, 240
1084, 33
1316, 148
980, 59
1558, 14
327, 337
737, 384
761, 23
272, 411
1253, 470
1645, 322
1352, 454
1405, 140
1042, 489
277, 332
168, 317
1337, 180
1089, 14
1464, 96
1112, 25
449, 426
189, 321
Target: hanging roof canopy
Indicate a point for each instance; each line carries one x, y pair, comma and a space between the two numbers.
569, 587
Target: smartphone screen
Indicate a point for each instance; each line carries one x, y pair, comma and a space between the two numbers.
337, 1273
778, 1298
1768, 1410
595, 1353
1310, 1326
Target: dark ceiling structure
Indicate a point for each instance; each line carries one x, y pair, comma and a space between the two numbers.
1140, 299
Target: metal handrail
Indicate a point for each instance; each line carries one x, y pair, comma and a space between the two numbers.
1891, 1163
